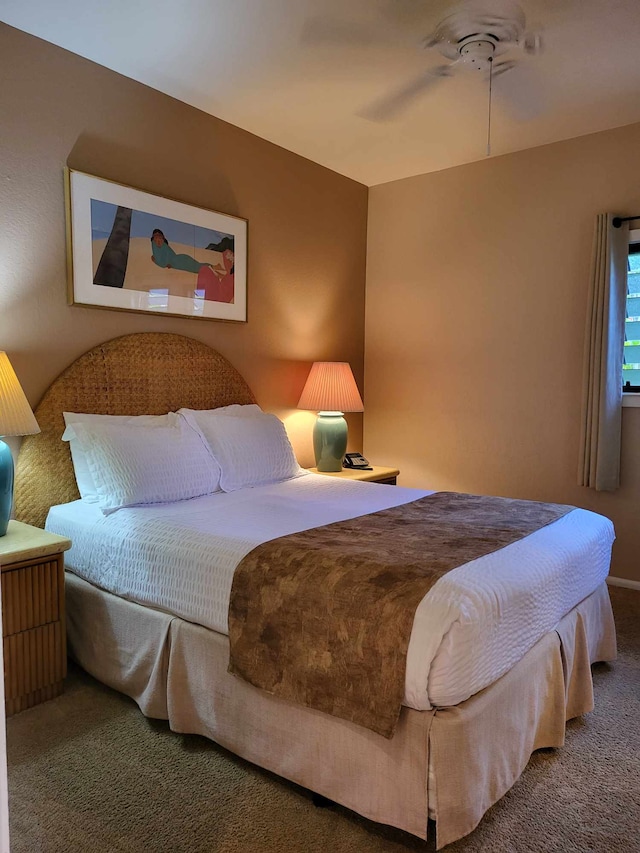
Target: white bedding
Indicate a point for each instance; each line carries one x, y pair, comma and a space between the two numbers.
472, 626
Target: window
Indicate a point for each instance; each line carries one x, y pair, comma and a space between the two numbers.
631, 358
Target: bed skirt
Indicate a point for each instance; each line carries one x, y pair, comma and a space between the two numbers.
450, 764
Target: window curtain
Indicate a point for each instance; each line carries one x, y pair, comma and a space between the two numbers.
603, 353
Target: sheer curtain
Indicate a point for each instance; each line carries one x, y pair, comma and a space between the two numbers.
599, 466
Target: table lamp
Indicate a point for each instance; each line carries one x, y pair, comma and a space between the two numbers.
16, 418
330, 390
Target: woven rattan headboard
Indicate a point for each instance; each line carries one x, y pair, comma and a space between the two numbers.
140, 374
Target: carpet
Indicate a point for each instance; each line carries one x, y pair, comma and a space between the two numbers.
87, 772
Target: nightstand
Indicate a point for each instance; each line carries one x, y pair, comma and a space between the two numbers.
378, 474
33, 626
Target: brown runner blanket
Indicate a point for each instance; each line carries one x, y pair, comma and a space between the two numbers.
323, 617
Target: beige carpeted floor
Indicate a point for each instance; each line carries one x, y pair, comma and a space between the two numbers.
87, 772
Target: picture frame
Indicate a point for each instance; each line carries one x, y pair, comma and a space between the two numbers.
130, 250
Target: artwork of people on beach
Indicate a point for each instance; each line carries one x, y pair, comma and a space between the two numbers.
142, 251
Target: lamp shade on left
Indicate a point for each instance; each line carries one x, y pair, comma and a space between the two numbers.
16, 418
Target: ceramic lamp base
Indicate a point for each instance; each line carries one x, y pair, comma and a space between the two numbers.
330, 441
6, 486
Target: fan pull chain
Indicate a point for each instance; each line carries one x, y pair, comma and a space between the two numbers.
489, 121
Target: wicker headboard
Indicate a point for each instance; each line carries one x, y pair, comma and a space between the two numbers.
141, 374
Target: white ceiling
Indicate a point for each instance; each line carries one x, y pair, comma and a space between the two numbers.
250, 63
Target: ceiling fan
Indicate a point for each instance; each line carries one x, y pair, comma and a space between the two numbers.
489, 36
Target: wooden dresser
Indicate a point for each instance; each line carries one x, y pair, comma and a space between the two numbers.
33, 625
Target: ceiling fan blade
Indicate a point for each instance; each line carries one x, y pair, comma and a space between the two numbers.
488, 22
391, 105
520, 92
532, 42
499, 68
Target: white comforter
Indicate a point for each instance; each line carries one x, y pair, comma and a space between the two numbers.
472, 626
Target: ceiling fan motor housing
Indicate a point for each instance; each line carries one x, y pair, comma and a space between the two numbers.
477, 51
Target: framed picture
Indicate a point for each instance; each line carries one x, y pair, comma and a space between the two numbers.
133, 251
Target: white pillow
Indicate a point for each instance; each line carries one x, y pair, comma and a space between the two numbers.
132, 466
251, 451
86, 486
196, 416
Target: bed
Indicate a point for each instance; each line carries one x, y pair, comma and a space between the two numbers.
465, 733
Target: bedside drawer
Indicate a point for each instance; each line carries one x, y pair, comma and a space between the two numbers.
33, 620
35, 665
30, 595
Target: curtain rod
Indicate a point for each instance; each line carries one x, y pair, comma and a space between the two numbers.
618, 220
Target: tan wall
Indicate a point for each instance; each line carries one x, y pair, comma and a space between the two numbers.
307, 227
476, 299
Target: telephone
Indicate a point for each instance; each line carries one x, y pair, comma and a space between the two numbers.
356, 460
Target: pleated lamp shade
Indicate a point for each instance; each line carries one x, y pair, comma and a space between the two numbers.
330, 387
330, 390
16, 418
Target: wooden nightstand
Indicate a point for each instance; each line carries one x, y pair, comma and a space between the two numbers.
33, 626
378, 474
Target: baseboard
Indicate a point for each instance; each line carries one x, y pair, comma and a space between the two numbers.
623, 582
